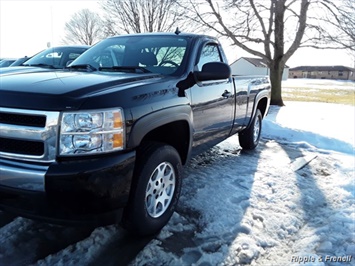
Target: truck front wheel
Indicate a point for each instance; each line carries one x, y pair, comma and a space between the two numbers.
155, 189
249, 137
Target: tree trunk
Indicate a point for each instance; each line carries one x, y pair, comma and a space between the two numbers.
276, 71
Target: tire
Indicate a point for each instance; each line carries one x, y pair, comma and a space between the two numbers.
249, 137
155, 189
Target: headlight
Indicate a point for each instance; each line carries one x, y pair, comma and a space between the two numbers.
91, 132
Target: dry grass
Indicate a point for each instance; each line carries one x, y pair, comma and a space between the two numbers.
319, 94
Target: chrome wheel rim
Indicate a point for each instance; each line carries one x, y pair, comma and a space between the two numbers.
160, 189
256, 132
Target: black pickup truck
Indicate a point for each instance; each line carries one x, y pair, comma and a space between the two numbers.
104, 140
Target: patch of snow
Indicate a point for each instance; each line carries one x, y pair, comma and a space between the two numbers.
254, 208
316, 84
322, 125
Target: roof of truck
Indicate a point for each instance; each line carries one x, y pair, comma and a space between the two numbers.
185, 34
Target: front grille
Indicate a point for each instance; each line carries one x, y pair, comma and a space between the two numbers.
28, 135
23, 120
21, 146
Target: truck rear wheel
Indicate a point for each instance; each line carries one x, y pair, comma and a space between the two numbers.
155, 189
249, 137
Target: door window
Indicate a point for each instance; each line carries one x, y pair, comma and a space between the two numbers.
209, 53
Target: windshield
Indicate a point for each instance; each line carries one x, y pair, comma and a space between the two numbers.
6, 62
55, 57
153, 53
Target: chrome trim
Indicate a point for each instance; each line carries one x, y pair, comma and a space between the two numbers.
22, 176
47, 134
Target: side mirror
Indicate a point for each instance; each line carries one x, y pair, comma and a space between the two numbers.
213, 71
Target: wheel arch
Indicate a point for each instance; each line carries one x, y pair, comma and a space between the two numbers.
262, 106
261, 102
172, 126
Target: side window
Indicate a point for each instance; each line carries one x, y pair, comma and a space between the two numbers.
73, 55
209, 53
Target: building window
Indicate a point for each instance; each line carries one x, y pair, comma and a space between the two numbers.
340, 73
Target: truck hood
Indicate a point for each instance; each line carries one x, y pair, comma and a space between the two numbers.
59, 90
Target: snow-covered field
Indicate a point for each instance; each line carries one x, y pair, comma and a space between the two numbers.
336, 91
318, 84
289, 202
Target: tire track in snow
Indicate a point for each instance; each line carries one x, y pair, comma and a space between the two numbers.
28, 242
23, 241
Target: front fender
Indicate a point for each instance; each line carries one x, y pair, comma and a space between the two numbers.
154, 120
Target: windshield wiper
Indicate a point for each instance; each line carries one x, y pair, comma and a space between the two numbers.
40, 65
130, 69
87, 67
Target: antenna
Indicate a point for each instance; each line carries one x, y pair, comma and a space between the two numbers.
177, 32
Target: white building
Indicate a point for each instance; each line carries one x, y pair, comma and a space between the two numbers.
253, 66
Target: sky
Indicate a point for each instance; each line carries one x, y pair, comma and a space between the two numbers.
27, 27
288, 201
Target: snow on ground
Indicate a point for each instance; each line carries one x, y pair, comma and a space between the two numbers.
289, 202
319, 84
307, 89
258, 208
325, 126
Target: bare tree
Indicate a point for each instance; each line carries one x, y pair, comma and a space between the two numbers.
85, 27
341, 17
128, 16
272, 30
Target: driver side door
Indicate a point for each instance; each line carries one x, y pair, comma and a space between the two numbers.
212, 103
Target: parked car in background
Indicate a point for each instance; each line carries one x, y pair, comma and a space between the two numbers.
51, 58
20, 61
56, 57
6, 62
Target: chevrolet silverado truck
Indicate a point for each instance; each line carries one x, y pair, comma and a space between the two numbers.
104, 140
